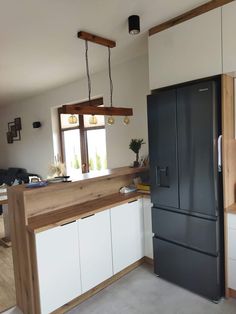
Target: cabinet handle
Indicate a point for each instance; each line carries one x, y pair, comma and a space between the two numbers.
156, 175
67, 223
132, 201
88, 216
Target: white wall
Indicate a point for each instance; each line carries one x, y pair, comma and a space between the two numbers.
35, 150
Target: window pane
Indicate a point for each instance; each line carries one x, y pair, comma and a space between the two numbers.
100, 121
72, 152
65, 121
97, 149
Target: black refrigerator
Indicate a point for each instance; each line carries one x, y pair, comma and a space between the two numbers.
184, 125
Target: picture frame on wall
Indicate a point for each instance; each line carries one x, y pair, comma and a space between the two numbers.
17, 123
9, 138
14, 129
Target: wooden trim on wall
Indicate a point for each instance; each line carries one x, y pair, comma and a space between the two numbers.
228, 158
228, 141
211, 5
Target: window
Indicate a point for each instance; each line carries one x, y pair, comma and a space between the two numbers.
83, 146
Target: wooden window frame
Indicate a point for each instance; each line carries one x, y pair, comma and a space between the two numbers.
83, 140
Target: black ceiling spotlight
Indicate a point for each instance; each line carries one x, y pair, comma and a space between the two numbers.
134, 24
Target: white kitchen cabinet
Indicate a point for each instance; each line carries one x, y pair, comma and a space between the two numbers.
232, 243
231, 251
232, 221
232, 274
127, 229
148, 234
188, 51
58, 266
228, 37
95, 249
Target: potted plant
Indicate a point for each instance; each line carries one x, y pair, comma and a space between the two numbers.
135, 145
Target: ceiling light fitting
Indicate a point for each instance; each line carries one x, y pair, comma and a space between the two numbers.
134, 24
91, 106
93, 119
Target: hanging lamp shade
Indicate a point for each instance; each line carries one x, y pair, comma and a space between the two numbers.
93, 119
72, 119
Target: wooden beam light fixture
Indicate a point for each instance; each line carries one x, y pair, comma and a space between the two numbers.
91, 106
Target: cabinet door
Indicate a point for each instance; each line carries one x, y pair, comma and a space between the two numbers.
95, 249
127, 234
231, 251
228, 37
148, 234
58, 266
232, 274
162, 133
232, 244
188, 51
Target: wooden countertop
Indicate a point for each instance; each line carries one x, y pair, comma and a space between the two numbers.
83, 179
231, 209
64, 215
88, 187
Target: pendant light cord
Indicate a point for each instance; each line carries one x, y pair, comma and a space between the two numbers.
87, 69
111, 83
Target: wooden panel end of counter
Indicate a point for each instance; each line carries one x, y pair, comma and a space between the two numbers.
231, 209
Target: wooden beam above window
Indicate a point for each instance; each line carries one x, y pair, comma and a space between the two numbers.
211, 5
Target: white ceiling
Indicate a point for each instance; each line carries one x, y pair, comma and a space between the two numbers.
39, 45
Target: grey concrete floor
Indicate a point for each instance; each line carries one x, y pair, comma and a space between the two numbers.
141, 292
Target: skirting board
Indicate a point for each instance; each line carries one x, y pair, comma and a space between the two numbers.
102, 286
232, 293
148, 260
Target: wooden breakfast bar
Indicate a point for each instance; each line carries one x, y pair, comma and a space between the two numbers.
70, 240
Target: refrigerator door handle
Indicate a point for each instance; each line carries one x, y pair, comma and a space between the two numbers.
220, 153
157, 170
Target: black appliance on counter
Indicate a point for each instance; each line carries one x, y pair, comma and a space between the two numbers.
184, 124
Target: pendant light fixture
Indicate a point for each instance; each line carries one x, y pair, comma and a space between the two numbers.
93, 119
72, 119
126, 120
91, 106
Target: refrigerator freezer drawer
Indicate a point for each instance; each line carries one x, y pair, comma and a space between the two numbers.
191, 231
187, 268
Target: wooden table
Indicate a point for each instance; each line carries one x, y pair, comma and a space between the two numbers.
6, 241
